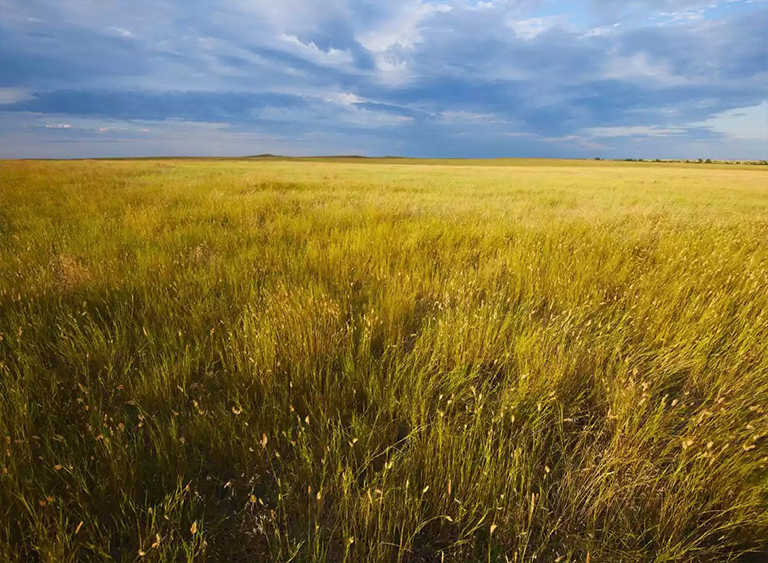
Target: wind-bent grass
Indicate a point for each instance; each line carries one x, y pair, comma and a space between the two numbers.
309, 361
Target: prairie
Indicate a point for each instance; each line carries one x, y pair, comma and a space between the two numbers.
308, 360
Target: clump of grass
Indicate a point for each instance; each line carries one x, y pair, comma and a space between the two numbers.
225, 360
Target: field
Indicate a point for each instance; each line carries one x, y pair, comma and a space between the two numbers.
276, 360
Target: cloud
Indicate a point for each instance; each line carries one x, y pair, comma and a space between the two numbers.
121, 31
533, 27
427, 78
168, 137
399, 27
745, 124
458, 116
13, 95
314, 53
635, 131
641, 66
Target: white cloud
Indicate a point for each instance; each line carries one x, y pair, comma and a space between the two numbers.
574, 140
367, 117
467, 116
635, 131
122, 32
401, 28
13, 95
400, 32
602, 31
670, 18
640, 66
750, 123
344, 98
533, 27
314, 53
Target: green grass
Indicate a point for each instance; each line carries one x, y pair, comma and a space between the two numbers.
383, 361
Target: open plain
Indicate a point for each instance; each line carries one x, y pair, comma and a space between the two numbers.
383, 360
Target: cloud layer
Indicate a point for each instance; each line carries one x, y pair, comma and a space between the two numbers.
460, 78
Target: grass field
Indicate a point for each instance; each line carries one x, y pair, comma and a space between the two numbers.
383, 361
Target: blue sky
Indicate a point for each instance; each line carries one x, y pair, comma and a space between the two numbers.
454, 78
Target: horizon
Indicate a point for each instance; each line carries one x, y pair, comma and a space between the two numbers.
272, 156
579, 79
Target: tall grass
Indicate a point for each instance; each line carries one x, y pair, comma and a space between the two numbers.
240, 361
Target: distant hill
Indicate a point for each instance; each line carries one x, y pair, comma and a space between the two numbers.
329, 156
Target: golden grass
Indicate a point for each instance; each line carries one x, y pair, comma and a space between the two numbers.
250, 360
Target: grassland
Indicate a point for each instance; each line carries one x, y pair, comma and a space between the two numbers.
383, 361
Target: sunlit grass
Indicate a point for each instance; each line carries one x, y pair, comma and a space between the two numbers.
251, 361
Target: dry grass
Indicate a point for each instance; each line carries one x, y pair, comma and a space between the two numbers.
389, 361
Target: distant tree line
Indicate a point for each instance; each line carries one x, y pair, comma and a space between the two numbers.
698, 161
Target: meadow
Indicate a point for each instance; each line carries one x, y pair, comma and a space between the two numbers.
411, 361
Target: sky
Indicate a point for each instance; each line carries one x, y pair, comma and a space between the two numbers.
421, 78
